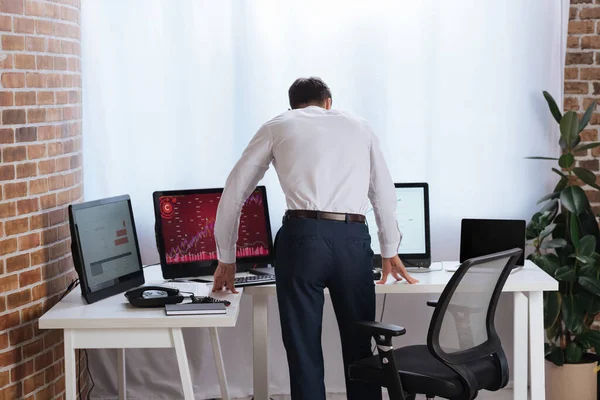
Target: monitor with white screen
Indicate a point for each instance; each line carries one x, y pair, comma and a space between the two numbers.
412, 216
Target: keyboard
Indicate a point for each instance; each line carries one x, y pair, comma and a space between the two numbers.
253, 280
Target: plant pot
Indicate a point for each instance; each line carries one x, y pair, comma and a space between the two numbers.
571, 381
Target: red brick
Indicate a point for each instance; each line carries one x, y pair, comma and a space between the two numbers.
74, 64
37, 346
48, 201
31, 384
5, 25
36, 80
16, 226
34, 8
35, 151
22, 334
24, 25
29, 241
581, 27
8, 209
62, 97
45, 62
49, 236
46, 132
8, 246
573, 42
13, 42
53, 46
24, 61
26, 134
45, 394
7, 172
12, 154
64, 232
40, 256
30, 277
36, 115
6, 62
577, 87
45, 98
10, 357
571, 103
25, 98
69, 14
2, 309
6, 99
54, 114
22, 371
11, 320
11, 392
35, 44
27, 206
57, 217
15, 190
38, 221
58, 250
10, 117
63, 198
13, 79
44, 27
60, 63
590, 42
43, 360
580, 58
63, 164
52, 11
7, 135
38, 186
46, 167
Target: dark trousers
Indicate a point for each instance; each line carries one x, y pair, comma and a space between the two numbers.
312, 255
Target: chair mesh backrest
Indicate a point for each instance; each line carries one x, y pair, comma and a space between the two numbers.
464, 323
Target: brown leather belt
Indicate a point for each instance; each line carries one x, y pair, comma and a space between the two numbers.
330, 216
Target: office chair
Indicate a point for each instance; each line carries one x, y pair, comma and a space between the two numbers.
463, 353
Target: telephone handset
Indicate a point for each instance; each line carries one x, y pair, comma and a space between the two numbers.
153, 296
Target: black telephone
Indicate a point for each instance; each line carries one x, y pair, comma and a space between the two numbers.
153, 296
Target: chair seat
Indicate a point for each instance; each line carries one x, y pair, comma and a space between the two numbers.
422, 373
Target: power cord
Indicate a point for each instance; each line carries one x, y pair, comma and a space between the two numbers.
87, 366
71, 286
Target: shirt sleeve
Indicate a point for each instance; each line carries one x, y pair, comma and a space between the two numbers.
242, 180
382, 195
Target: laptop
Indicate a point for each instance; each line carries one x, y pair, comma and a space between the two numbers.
479, 237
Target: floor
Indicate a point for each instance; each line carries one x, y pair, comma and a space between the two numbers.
505, 394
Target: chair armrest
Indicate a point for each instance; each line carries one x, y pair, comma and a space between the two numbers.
379, 328
432, 303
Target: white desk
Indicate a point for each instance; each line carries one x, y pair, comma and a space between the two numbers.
113, 323
527, 286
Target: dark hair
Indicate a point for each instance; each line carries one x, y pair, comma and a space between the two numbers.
306, 91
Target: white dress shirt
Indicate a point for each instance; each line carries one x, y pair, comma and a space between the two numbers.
326, 161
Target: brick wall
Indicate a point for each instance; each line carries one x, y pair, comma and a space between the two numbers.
40, 174
582, 77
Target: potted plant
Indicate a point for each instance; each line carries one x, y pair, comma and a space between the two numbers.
566, 241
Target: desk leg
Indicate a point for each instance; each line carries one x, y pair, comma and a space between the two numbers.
260, 344
70, 372
536, 343
121, 374
519, 372
216, 345
182, 361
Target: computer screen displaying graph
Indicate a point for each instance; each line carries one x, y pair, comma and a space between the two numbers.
411, 218
188, 222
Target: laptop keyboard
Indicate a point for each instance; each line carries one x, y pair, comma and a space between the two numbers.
252, 280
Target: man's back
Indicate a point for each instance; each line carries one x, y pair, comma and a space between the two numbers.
322, 159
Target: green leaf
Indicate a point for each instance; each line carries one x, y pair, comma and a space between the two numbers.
586, 176
587, 261
554, 244
589, 303
560, 173
592, 285
550, 196
566, 160
589, 339
541, 158
549, 263
556, 357
573, 353
553, 107
547, 231
586, 146
547, 349
552, 306
574, 199
566, 274
574, 226
587, 245
586, 117
569, 127
572, 314
561, 185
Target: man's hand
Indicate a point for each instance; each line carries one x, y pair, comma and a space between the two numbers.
224, 276
395, 267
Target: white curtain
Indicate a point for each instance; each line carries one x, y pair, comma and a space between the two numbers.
174, 90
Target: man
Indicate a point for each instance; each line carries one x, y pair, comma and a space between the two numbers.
329, 164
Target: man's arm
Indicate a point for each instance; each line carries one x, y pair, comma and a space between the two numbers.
383, 198
242, 180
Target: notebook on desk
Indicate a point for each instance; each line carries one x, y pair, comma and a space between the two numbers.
195, 309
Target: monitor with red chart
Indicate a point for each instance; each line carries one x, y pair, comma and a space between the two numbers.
185, 221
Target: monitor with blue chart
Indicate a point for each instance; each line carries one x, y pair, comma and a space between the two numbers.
412, 216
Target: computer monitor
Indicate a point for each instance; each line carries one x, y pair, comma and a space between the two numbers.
185, 221
105, 247
412, 216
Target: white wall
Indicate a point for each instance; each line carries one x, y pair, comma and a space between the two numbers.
173, 91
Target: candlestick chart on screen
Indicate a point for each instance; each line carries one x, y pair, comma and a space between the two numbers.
188, 224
